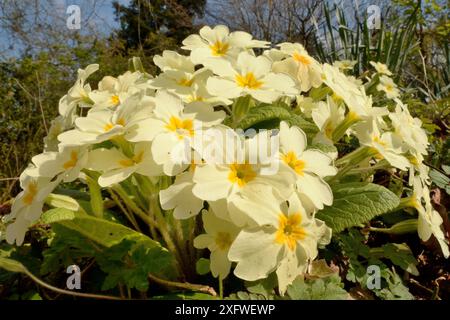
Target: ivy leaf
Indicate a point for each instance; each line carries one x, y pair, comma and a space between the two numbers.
357, 203
242, 295
264, 287
329, 288
395, 290
353, 247
401, 255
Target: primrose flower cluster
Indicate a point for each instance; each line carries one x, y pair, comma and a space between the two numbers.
256, 221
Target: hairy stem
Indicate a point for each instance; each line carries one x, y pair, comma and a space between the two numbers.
183, 285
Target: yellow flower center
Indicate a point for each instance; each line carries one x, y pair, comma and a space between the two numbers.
131, 162
413, 160
289, 230
378, 140
302, 58
337, 98
329, 129
241, 174
223, 240
72, 162
219, 48
181, 127
185, 82
115, 100
109, 126
291, 160
193, 98
248, 81
30, 193
389, 87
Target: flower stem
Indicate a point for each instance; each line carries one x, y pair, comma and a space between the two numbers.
129, 216
67, 292
183, 285
220, 287
350, 119
96, 194
403, 227
133, 207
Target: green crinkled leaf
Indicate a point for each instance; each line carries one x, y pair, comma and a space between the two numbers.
308, 127
101, 231
440, 179
357, 203
329, 288
263, 113
125, 255
326, 148
66, 248
446, 169
269, 116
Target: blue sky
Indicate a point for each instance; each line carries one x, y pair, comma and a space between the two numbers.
97, 14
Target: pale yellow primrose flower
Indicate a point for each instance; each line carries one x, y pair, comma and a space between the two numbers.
116, 167
430, 221
300, 65
112, 92
345, 64
171, 60
179, 196
68, 163
78, 95
389, 87
284, 239
409, 130
219, 43
250, 75
27, 206
309, 166
381, 68
225, 180
172, 128
57, 126
218, 238
179, 81
327, 116
353, 95
105, 124
386, 145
